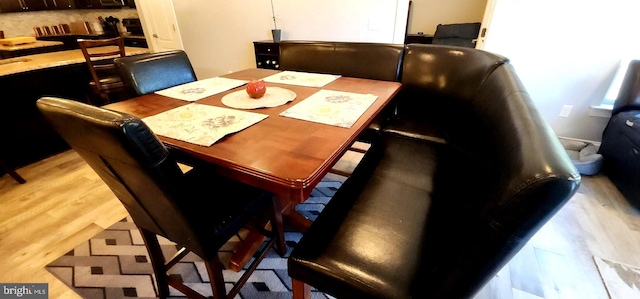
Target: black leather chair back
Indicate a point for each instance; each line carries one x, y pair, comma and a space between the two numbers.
151, 72
349, 59
130, 159
629, 94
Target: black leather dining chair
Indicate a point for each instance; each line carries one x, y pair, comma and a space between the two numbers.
186, 208
147, 73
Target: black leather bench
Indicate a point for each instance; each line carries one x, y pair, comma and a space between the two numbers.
461, 176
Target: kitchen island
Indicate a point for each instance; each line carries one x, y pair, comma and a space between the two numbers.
26, 136
37, 47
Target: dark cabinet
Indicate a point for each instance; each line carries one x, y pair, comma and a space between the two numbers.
11, 6
60, 4
267, 54
88, 4
35, 5
99, 4
22, 5
139, 42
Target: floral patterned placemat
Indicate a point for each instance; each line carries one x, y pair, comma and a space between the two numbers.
201, 124
201, 89
336, 108
301, 78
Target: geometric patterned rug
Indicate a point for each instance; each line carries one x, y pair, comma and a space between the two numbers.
115, 263
622, 281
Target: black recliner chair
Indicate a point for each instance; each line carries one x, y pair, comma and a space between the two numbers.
620, 146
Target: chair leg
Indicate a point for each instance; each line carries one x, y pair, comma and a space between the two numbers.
214, 269
301, 290
105, 98
12, 172
278, 227
157, 261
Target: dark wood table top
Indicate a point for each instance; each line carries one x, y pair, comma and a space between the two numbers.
283, 155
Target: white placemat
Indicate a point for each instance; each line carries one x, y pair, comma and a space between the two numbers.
201, 124
201, 89
301, 78
336, 108
273, 97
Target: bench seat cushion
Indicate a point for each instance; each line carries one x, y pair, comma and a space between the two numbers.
415, 127
352, 248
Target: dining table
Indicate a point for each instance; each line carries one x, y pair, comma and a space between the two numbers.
282, 155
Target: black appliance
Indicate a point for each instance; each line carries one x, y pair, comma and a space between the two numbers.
133, 26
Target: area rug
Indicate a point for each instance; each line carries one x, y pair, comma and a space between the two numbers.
622, 281
115, 263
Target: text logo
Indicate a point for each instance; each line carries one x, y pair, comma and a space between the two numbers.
24, 290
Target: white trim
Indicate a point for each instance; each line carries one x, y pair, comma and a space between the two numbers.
596, 143
602, 110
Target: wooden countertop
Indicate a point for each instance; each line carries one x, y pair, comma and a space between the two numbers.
37, 44
48, 60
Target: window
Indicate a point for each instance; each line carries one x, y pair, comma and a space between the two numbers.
614, 88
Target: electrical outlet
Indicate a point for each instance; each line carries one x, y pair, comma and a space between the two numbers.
566, 110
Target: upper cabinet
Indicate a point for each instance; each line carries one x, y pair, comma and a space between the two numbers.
60, 4
22, 5
11, 5
34, 5
93, 4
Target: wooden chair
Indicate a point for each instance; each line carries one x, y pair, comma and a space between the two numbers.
105, 80
198, 210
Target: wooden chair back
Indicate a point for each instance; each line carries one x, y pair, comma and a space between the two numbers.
99, 55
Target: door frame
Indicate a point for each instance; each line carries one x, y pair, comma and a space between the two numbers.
146, 18
486, 24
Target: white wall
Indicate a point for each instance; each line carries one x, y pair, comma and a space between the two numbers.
218, 35
566, 53
427, 14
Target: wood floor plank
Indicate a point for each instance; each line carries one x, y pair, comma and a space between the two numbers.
499, 287
525, 274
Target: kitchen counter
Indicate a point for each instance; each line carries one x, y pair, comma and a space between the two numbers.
36, 47
49, 60
37, 44
26, 136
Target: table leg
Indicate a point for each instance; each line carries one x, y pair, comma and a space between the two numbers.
296, 221
246, 248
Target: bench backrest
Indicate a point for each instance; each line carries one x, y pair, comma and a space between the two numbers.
503, 176
454, 72
350, 59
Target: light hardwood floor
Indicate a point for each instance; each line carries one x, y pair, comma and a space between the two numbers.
64, 203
